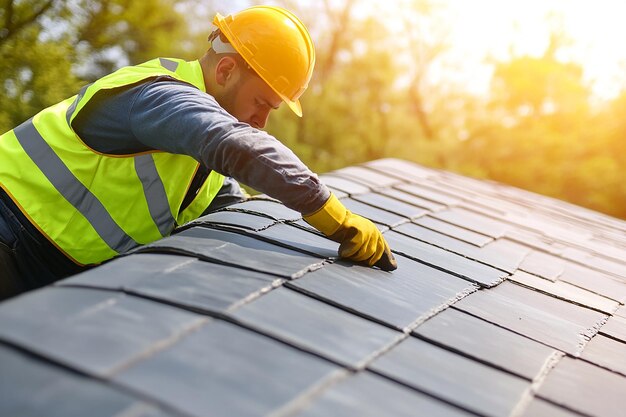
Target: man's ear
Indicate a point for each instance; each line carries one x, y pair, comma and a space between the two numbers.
224, 70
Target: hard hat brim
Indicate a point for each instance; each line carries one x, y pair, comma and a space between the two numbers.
294, 106
222, 23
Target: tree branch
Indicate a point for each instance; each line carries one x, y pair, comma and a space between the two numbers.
340, 24
11, 29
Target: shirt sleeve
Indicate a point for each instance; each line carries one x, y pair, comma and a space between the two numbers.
176, 117
230, 193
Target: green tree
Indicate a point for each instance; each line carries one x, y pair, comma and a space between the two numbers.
598, 166
35, 67
48, 49
539, 132
357, 107
110, 32
347, 108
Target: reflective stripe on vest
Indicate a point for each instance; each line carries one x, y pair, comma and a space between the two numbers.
85, 202
168, 64
73, 190
92, 205
72, 108
154, 191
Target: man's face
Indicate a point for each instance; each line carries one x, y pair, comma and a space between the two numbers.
249, 99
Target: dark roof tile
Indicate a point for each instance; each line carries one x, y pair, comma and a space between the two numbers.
440, 258
504, 303
540, 317
401, 169
304, 225
344, 185
502, 254
300, 239
615, 267
461, 192
566, 291
376, 215
245, 220
368, 177
317, 326
97, 332
594, 281
411, 293
179, 280
389, 204
473, 221
615, 327
609, 243
369, 395
237, 250
222, 369
451, 230
533, 239
607, 353
29, 387
468, 184
427, 192
481, 340
540, 408
269, 208
585, 388
543, 264
575, 313
414, 200
451, 377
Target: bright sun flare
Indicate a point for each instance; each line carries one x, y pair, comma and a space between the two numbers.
596, 29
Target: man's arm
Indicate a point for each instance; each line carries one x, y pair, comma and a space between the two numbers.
176, 117
173, 116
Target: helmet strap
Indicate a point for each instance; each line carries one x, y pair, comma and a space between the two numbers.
221, 47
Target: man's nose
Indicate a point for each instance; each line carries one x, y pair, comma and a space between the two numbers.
259, 120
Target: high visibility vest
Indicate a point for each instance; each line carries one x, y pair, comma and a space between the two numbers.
90, 205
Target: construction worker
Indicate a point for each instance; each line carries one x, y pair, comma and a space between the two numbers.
153, 146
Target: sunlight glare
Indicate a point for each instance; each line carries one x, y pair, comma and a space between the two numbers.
493, 28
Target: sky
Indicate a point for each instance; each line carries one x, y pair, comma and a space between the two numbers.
481, 27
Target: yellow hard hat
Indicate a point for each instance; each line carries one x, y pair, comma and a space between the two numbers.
275, 43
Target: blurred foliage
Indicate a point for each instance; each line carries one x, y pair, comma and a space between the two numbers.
35, 71
376, 91
48, 48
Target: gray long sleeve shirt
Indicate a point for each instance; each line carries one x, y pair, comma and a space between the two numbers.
175, 117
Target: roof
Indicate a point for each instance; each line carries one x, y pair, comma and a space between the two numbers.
504, 303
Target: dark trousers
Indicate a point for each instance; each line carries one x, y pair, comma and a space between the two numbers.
10, 284
27, 259
10, 281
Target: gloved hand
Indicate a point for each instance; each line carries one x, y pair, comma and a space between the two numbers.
359, 239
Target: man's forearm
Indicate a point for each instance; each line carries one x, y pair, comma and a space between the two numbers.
260, 161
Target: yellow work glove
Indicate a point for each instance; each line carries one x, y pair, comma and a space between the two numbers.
359, 239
